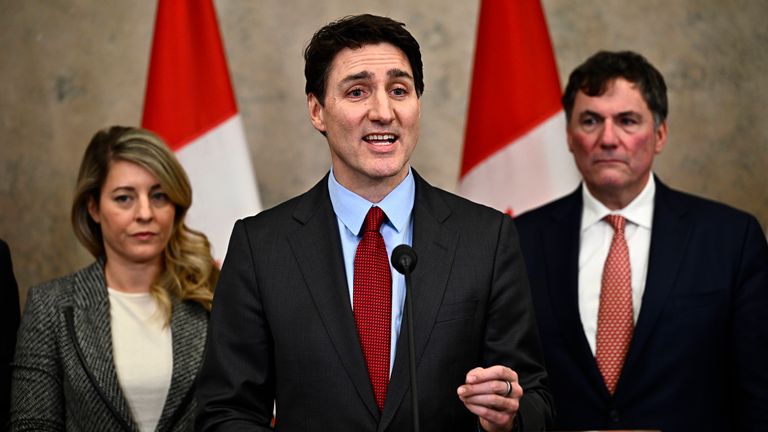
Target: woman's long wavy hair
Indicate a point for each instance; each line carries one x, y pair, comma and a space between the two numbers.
189, 270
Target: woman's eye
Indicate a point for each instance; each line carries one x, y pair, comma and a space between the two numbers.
159, 197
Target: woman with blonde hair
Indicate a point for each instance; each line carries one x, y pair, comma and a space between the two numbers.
117, 345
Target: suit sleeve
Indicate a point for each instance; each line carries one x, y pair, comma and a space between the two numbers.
9, 299
750, 333
37, 398
511, 336
235, 389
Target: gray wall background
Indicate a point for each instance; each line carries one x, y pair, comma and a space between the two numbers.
71, 67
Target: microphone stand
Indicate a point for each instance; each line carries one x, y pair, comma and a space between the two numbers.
411, 350
404, 261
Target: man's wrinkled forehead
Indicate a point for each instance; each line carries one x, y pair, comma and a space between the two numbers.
358, 68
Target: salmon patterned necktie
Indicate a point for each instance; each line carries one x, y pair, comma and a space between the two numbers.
615, 322
372, 302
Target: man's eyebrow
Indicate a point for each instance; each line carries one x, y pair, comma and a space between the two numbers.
398, 73
589, 113
364, 75
629, 113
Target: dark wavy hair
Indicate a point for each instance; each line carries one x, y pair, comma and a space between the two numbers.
594, 75
354, 32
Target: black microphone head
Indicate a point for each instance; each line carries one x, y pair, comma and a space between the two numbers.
404, 258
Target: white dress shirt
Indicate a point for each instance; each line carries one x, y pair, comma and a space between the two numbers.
596, 236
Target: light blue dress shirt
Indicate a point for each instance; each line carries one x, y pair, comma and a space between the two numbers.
351, 210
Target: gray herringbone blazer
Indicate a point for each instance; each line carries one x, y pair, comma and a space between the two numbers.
63, 374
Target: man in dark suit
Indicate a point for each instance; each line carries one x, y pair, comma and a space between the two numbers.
651, 303
9, 299
290, 320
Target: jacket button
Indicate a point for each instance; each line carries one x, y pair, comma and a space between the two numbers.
614, 415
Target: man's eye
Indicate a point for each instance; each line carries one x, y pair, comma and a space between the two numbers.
355, 92
589, 121
399, 91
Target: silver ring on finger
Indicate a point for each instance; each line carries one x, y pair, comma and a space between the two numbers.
509, 389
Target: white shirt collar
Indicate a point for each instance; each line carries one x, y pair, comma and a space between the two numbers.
639, 211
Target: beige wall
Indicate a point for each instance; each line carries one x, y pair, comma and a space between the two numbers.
70, 67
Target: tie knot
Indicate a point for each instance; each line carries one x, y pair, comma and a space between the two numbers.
617, 222
374, 219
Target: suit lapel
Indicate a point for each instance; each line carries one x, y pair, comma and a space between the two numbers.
669, 239
188, 329
561, 239
435, 246
317, 248
93, 335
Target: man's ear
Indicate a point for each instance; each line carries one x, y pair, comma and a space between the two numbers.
569, 138
93, 210
661, 137
316, 113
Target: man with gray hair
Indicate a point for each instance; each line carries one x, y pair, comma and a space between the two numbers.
651, 303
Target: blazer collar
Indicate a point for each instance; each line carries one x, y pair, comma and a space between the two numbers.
92, 332
669, 239
317, 248
561, 238
189, 322
435, 245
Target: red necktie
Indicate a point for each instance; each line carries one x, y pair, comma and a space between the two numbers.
372, 302
615, 322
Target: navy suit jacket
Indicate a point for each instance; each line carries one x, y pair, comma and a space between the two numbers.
698, 359
282, 325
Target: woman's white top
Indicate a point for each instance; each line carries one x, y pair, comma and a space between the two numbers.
143, 352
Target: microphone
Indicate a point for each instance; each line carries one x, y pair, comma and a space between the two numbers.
404, 261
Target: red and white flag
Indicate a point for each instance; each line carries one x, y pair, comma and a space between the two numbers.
515, 152
191, 105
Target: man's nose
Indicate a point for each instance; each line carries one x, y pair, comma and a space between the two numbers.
608, 136
380, 109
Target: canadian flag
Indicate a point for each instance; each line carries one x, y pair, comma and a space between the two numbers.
515, 152
191, 105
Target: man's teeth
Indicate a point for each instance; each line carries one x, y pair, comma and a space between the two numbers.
381, 137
